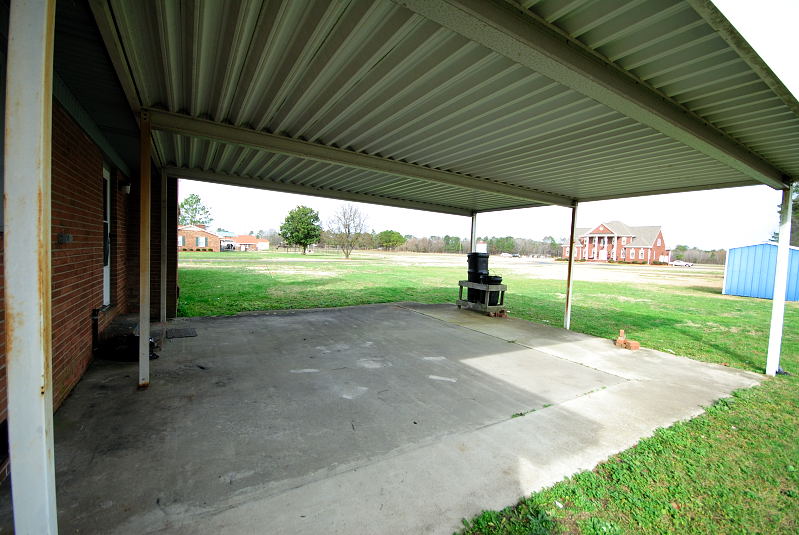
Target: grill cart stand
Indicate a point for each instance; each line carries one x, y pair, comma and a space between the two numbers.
492, 310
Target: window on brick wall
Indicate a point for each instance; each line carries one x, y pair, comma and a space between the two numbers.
201, 241
623, 255
658, 242
640, 254
181, 241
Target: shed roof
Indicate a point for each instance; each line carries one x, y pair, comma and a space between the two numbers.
248, 239
454, 105
769, 243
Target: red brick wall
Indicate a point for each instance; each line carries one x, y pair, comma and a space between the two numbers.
584, 250
658, 250
77, 266
77, 204
191, 235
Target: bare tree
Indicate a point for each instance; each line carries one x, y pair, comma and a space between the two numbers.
346, 227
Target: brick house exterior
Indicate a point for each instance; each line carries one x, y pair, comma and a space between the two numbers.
614, 241
249, 243
196, 237
78, 253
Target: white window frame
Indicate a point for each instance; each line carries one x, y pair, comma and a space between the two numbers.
641, 253
181, 241
659, 242
201, 241
623, 253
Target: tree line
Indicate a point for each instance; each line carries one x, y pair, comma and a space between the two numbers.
346, 231
698, 256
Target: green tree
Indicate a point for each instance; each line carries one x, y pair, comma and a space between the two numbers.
679, 252
194, 212
301, 227
452, 244
390, 239
794, 222
553, 247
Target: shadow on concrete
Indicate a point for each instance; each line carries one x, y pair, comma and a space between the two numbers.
367, 419
263, 403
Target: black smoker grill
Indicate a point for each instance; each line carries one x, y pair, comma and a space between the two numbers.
484, 292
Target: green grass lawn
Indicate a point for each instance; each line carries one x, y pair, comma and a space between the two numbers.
733, 470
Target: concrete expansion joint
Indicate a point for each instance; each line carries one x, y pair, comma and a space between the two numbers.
624, 378
516, 342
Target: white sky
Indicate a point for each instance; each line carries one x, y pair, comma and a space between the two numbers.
707, 219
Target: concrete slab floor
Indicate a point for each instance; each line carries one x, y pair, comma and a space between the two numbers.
372, 419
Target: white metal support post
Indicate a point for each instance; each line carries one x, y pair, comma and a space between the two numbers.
144, 250
164, 250
567, 316
473, 239
27, 271
780, 284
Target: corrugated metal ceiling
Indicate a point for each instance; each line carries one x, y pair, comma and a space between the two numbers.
669, 46
375, 78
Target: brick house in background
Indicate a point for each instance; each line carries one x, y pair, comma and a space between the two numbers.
617, 242
249, 243
193, 237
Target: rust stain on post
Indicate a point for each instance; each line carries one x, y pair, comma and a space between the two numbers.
44, 279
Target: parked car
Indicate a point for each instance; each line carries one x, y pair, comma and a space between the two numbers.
680, 263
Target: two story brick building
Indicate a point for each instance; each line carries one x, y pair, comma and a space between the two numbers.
618, 242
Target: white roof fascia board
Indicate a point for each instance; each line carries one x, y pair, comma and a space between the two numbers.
266, 184
226, 133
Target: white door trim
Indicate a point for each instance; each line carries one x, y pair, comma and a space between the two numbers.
106, 236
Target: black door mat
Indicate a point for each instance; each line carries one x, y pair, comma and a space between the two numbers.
183, 332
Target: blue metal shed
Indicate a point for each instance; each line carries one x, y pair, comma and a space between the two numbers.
750, 272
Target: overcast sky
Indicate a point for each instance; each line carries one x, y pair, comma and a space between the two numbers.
707, 219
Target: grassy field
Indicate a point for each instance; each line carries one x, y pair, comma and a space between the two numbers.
733, 470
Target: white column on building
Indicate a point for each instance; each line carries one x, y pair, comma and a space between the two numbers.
780, 285
615, 247
27, 266
144, 250
567, 316
164, 245
473, 234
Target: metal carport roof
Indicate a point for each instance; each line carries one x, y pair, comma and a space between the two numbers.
456, 106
